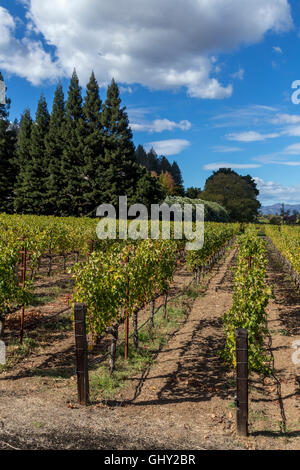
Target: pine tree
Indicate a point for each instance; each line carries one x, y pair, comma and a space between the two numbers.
93, 149
8, 138
164, 165
176, 173
74, 132
54, 146
153, 162
140, 156
36, 170
149, 189
120, 169
22, 160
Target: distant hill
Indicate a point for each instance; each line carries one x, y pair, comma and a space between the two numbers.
275, 209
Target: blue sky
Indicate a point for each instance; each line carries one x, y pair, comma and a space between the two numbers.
208, 84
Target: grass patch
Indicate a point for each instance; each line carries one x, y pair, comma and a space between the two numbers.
16, 352
40, 300
104, 386
40, 337
58, 374
53, 293
63, 324
191, 292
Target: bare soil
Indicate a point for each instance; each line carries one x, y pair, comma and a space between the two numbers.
184, 401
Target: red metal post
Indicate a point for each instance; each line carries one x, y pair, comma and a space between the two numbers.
23, 271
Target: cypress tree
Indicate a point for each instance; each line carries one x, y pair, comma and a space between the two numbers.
8, 138
176, 173
73, 177
54, 149
141, 156
120, 169
93, 149
22, 160
36, 170
153, 161
165, 165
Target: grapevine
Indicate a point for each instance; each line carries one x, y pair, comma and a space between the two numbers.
250, 300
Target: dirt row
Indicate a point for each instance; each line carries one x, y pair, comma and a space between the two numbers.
184, 401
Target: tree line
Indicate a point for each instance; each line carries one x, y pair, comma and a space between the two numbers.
69, 161
159, 166
81, 155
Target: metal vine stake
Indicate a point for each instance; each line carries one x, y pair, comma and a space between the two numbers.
23, 253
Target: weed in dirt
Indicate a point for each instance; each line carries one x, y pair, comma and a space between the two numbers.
37, 425
257, 415
274, 332
284, 332
191, 292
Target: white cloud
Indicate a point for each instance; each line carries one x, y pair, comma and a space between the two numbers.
168, 147
239, 74
292, 131
249, 116
224, 149
240, 166
277, 49
159, 44
272, 192
263, 107
160, 125
208, 88
126, 89
24, 57
286, 119
293, 149
139, 114
280, 158
250, 136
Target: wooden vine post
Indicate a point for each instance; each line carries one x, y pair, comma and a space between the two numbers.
91, 248
81, 353
241, 337
23, 253
250, 262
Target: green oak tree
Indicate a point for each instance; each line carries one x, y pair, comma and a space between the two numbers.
238, 194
